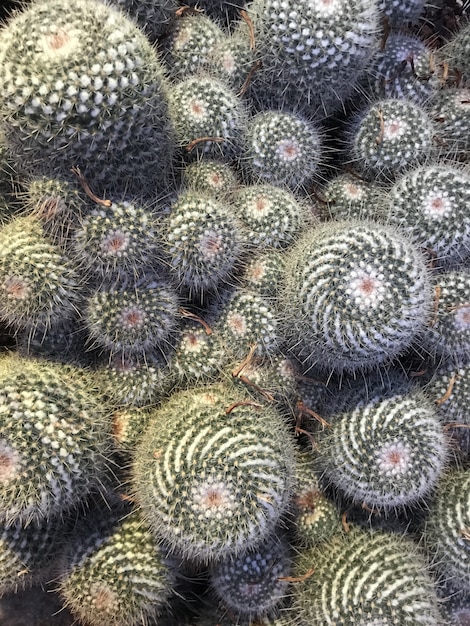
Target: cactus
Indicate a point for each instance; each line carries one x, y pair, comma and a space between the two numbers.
447, 529
401, 12
54, 439
248, 319
122, 237
28, 555
263, 273
214, 178
281, 149
132, 318
204, 241
449, 332
213, 472
82, 86
208, 117
313, 54
272, 216
254, 584
358, 294
190, 45
38, 283
347, 197
403, 69
430, 203
389, 137
363, 578
450, 108
385, 448
114, 572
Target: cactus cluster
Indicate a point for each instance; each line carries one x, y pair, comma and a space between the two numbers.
234, 311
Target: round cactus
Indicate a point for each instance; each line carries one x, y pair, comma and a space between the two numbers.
132, 318
204, 241
27, 554
214, 178
447, 529
114, 573
355, 294
133, 381
430, 203
82, 86
38, 283
456, 54
122, 237
233, 61
385, 449
213, 472
208, 117
272, 216
449, 331
280, 148
313, 54
263, 273
450, 109
347, 197
248, 319
363, 578
390, 136
190, 45
404, 69
54, 439
401, 12
253, 584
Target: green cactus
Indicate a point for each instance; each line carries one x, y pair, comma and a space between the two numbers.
132, 318
362, 578
347, 197
358, 295
450, 108
272, 216
281, 149
82, 86
155, 17
263, 272
208, 117
447, 529
312, 54
213, 472
54, 438
390, 136
204, 241
122, 237
430, 203
115, 573
214, 178
39, 285
384, 449
254, 584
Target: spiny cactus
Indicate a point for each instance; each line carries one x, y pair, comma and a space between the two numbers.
430, 203
385, 448
132, 317
263, 273
254, 584
204, 241
155, 17
358, 294
114, 572
447, 529
390, 136
122, 237
362, 578
450, 108
210, 177
38, 283
312, 53
272, 216
82, 86
208, 117
347, 197
213, 472
54, 439
280, 148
